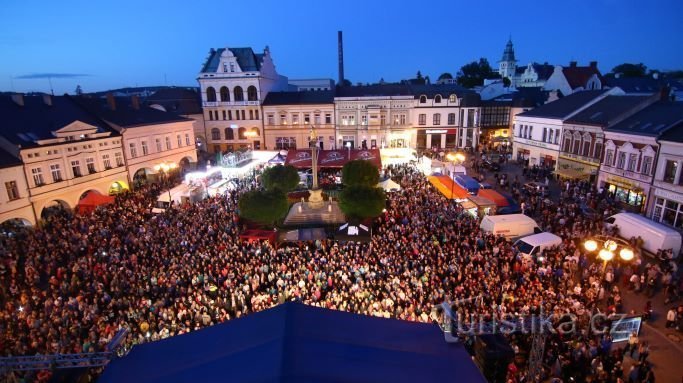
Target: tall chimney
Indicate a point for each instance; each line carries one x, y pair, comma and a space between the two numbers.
111, 101
340, 46
572, 64
593, 64
135, 101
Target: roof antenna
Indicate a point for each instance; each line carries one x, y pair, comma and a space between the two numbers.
49, 79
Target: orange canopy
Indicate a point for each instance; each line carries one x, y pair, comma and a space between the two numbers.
494, 196
91, 201
446, 185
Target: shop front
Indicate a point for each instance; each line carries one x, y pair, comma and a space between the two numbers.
630, 194
436, 138
668, 208
575, 170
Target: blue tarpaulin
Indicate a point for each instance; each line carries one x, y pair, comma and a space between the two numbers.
293, 342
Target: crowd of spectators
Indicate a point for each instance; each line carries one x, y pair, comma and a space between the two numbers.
70, 285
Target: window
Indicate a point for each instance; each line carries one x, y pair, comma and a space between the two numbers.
168, 142
256, 114
422, 119
566, 147
530, 130
328, 118
251, 93
437, 99
187, 139
586, 147
307, 119
76, 168
621, 160
12, 190
210, 94
239, 95
285, 143
295, 119
646, 166
670, 170
423, 99
545, 134
157, 142
550, 137
229, 114
270, 119
437, 119
225, 67
402, 119
215, 134
225, 115
251, 114
470, 119
383, 119
225, 94
237, 115
56, 173
316, 118
145, 149
232, 67
632, 161
451, 118
597, 152
37, 176
240, 133
229, 134
451, 98
133, 150
557, 136
90, 164
283, 119
609, 157
364, 119
180, 140
106, 161
119, 158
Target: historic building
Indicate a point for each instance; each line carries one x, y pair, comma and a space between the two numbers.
537, 132
234, 82
152, 140
530, 75
15, 205
497, 114
575, 78
667, 188
583, 137
289, 116
66, 152
631, 156
185, 102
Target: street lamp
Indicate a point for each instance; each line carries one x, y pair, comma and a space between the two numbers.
348, 146
454, 157
608, 247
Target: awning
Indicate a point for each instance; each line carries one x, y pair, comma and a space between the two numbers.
301, 158
494, 196
448, 188
91, 201
257, 235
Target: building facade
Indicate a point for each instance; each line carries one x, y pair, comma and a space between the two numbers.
574, 78
233, 83
531, 75
185, 102
15, 205
289, 116
667, 188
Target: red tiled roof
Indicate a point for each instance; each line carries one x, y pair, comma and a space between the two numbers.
578, 76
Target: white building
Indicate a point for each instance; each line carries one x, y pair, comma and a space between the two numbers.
667, 206
15, 205
234, 82
289, 117
628, 168
537, 132
151, 138
66, 152
185, 102
531, 75
575, 78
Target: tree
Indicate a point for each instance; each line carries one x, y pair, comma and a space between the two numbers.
630, 70
506, 82
360, 173
445, 76
283, 178
474, 73
79, 91
359, 202
264, 207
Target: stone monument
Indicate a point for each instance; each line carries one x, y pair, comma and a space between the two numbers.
315, 201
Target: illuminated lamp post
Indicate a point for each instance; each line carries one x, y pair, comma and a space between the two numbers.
607, 247
454, 157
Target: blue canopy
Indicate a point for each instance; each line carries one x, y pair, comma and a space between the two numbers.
297, 343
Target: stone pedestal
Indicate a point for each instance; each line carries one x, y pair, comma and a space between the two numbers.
315, 200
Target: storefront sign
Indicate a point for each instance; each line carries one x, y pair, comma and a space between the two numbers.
621, 182
669, 195
575, 169
441, 131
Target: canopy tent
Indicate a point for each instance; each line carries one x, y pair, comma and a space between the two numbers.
448, 188
91, 201
277, 160
301, 158
494, 196
253, 235
389, 185
293, 342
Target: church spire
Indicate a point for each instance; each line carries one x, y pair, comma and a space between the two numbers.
509, 52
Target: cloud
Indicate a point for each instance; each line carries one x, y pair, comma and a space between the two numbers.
50, 75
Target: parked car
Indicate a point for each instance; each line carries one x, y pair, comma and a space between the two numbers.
536, 188
533, 245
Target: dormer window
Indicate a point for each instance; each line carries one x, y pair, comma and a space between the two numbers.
225, 67
423, 99
232, 67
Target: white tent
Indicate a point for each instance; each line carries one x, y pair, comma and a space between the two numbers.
389, 185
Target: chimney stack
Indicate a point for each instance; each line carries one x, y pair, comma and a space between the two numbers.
111, 101
18, 98
340, 46
593, 64
47, 99
135, 101
572, 64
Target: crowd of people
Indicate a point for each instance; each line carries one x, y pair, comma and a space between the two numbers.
70, 285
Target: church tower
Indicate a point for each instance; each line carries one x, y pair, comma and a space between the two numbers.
507, 65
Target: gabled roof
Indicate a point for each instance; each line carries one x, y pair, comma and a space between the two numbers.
293, 342
124, 114
578, 76
36, 120
246, 58
654, 120
606, 110
294, 98
182, 101
565, 106
542, 70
